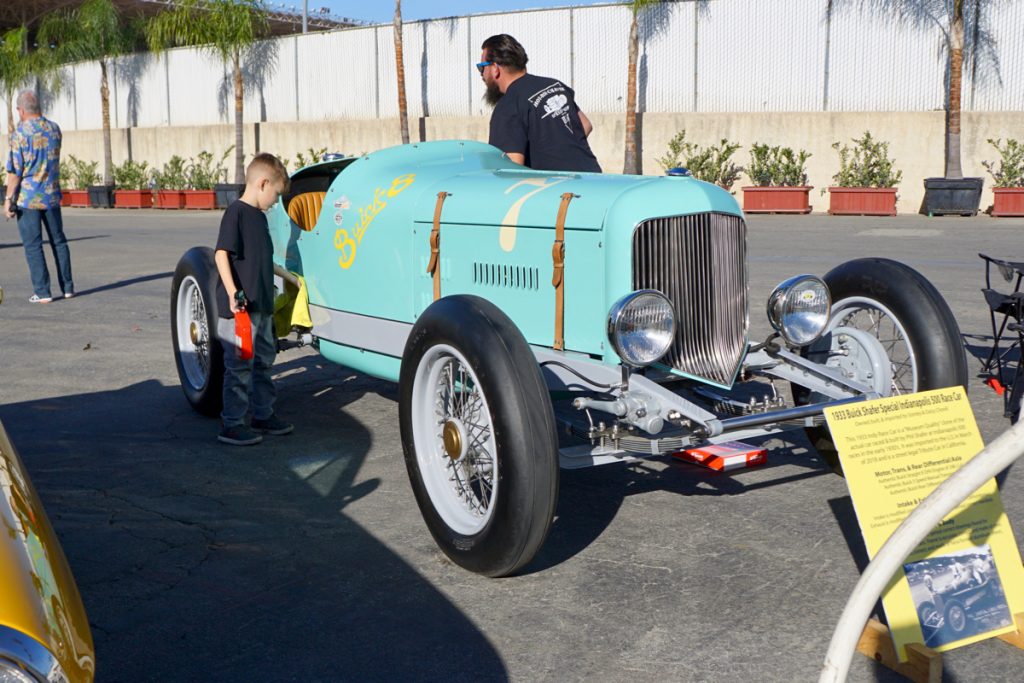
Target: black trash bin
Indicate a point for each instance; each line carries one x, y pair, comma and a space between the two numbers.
952, 196
101, 196
227, 193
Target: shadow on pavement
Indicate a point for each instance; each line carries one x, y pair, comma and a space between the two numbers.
198, 561
18, 245
589, 499
125, 283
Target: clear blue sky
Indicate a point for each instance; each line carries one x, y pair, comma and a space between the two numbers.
382, 11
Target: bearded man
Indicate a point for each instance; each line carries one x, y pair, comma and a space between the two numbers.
536, 121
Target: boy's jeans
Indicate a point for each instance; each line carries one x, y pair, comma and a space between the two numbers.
32, 237
247, 383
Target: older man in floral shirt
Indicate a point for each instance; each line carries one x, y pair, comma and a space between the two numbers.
33, 195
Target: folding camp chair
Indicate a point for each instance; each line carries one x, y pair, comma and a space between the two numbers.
1006, 311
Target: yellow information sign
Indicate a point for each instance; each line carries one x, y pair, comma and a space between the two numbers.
965, 581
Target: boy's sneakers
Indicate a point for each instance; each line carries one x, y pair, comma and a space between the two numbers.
69, 295
273, 425
239, 435
36, 299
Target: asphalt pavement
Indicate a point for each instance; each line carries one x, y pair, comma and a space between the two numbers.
305, 558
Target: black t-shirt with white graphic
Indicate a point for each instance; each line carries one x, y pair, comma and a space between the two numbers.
538, 117
244, 235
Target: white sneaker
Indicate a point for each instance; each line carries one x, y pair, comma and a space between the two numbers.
36, 299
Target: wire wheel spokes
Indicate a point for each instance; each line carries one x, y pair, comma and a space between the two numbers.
202, 337
460, 403
884, 327
193, 334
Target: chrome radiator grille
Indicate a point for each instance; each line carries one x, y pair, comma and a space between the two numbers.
700, 263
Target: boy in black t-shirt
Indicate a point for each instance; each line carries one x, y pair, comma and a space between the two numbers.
244, 257
536, 121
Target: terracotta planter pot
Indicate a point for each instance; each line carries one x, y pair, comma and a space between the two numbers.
200, 199
133, 199
65, 200
1009, 201
169, 199
776, 199
862, 201
76, 198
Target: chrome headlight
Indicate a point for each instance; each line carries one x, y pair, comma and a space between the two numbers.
641, 327
12, 673
799, 309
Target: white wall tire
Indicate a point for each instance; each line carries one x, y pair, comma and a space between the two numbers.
488, 493
198, 354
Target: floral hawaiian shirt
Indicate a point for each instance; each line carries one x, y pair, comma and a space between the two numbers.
35, 158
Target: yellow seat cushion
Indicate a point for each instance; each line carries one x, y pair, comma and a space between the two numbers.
304, 209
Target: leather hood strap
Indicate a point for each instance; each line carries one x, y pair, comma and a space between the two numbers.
434, 267
558, 275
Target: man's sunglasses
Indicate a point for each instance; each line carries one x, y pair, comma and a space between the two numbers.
483, 65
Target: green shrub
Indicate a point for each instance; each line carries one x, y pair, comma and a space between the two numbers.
77, 174
866, 164
203, 171
172, 175
711, 164
777, 166
315, 157
1010, 171
132, 175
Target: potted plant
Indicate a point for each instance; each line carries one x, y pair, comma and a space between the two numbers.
226, 192
201, 173
132, 181
968, 31
866, 182
712, 164
170, 184
65, 178
80, 175
780, 181
1008, 193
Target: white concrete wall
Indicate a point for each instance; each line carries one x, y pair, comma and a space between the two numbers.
774, 71
916, 140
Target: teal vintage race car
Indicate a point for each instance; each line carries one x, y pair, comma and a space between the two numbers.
540, 319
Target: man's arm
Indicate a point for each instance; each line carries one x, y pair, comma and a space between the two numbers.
13, 182
223, 262
516, 157
587, 125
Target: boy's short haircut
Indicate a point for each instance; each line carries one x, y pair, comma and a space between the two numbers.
267, 164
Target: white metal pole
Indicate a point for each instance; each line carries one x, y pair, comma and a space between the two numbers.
999, 455
305, 16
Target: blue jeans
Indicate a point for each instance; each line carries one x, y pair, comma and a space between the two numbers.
29, 221
247, 383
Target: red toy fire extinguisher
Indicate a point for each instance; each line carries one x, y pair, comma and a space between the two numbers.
243, 327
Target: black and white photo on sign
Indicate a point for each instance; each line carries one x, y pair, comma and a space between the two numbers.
957, 595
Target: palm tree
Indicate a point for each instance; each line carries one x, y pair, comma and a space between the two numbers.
94, 31
631, 164
957, 19
403, 108
224, 28
14, 68
637, 8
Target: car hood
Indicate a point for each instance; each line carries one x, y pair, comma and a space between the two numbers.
38, 596
521, 197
